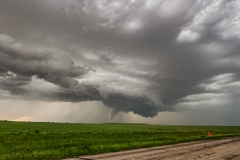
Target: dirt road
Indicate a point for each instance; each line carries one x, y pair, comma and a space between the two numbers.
225, 149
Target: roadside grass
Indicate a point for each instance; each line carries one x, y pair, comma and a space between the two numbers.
63, 140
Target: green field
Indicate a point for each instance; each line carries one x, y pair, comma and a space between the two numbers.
62, 140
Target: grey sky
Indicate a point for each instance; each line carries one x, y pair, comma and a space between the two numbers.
153, 61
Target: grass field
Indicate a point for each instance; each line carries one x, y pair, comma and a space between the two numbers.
62, 140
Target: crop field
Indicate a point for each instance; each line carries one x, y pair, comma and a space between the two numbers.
44, 140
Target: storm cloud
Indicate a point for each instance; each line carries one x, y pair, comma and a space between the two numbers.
140, 56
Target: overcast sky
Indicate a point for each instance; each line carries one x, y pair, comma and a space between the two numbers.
143, 61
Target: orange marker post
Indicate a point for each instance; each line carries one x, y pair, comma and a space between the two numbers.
209, 134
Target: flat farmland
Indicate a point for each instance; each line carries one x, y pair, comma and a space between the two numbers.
46, 140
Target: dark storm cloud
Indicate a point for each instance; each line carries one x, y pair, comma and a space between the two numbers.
58, 70
13, 83
142, 106
145, 54
20, 64
117, 102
